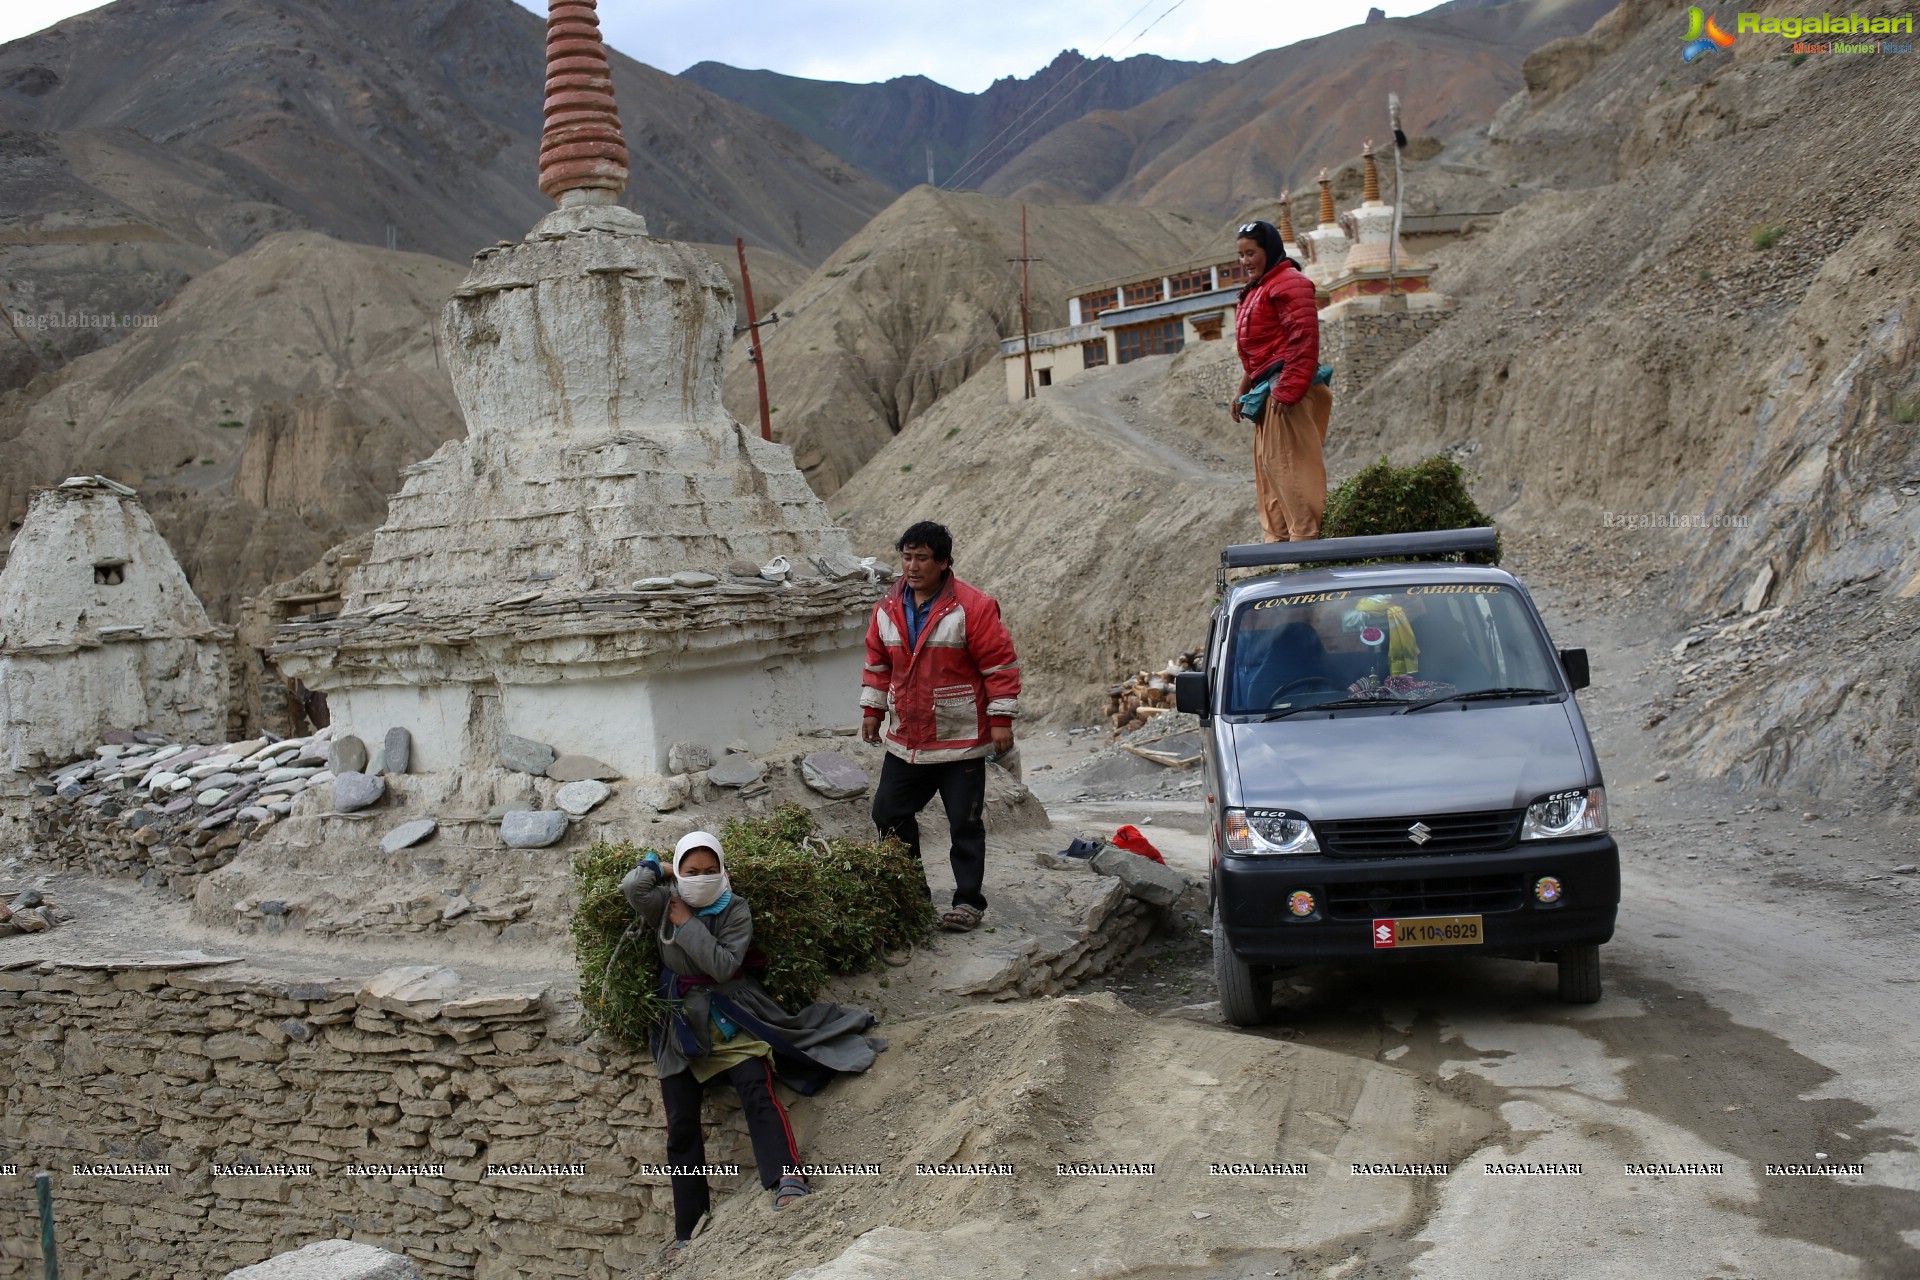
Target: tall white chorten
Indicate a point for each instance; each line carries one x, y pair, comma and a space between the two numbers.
563, 573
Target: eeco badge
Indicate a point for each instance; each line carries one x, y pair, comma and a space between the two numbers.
1382, 934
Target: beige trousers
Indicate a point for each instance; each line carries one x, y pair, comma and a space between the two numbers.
1289, 466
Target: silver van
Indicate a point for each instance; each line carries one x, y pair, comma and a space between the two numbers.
1395, 763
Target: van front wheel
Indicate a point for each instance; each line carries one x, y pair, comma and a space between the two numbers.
1246, 994
1580, 974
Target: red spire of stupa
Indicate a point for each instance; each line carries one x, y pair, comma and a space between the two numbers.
582, 148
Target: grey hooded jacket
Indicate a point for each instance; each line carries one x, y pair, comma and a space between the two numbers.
715, 947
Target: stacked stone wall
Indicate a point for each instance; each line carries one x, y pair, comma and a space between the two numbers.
1361, 344
149, 1080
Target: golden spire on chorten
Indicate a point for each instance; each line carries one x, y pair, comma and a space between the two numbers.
1326, 200
1286, 217
1371, 195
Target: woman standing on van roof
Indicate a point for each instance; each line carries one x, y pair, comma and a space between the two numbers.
1277, 329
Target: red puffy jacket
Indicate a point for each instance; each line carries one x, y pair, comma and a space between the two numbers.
1278, 321
942, 697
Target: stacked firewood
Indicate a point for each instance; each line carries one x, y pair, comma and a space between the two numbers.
1133, 702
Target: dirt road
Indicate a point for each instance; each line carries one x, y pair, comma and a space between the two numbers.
1762, 988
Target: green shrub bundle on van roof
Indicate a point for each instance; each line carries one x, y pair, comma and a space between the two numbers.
1428, 494
820, 907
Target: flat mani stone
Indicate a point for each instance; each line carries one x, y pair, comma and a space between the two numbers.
397, 750
833, 775
355, 791
735, 771
348, 755
694, 578
575, 768
523, 755
408, 834
654, 584
580, 798
532, 828
688, 757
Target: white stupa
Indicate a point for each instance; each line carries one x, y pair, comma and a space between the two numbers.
99, 631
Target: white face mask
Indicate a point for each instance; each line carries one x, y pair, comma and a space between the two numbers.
701, 891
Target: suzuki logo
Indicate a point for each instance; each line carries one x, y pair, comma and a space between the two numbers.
1419, 833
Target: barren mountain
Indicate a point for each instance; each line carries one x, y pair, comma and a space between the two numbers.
143, 142
1689, 384
889, 128
1713, 322
1248, 130
420, 114
1095, 513
265, 416
906, 310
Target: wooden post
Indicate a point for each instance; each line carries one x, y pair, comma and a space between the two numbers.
1026, 323
753, 342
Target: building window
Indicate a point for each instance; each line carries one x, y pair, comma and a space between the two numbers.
1093, 354
1092, 304
1232, 273
1043, 376
1189, 283
1143, 292
110, 573
1155, 338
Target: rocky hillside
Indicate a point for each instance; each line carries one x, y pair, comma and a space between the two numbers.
144, 142
905, 311
1248, 130
1095, 513
423, 114
887, 128
265, 416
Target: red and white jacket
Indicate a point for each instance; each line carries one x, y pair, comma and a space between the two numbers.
942, 697
1278, 321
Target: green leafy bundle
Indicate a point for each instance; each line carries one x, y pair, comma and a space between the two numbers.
820, 908
1383, 498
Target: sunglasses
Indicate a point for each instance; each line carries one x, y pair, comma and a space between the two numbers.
1250, 229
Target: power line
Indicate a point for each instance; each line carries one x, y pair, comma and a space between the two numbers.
1070, 86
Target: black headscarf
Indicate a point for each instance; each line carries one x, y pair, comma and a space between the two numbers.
1267, 236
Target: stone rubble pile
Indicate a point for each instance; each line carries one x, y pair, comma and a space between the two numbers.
163, 810
29, 911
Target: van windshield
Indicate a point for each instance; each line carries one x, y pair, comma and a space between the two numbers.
1402, 644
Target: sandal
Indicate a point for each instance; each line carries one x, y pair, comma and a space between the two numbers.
961, 918
789, 1190
673, 1251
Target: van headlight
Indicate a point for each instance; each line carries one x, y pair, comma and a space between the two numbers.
1566, 813
1262, 832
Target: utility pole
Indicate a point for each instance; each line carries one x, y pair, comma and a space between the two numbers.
929, 164
1399, 193
753, 340
1026, 321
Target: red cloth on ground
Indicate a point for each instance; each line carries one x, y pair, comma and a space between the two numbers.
1130, 839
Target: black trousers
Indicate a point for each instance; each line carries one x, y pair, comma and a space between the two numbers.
773, 1144
904, 790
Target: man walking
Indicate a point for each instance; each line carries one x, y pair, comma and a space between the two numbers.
941, 669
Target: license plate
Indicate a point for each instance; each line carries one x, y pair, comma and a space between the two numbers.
1428, 931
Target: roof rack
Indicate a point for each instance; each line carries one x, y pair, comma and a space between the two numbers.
1385, 546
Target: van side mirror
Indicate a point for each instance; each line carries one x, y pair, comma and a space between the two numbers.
1574, 663
1190, 692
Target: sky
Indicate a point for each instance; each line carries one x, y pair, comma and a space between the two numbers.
965, 46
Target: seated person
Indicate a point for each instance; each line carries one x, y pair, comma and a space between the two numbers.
1290, 656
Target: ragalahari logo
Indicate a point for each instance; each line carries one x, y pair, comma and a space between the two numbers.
1703, 35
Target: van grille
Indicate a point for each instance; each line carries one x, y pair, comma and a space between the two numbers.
1432, 896
1486, 832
